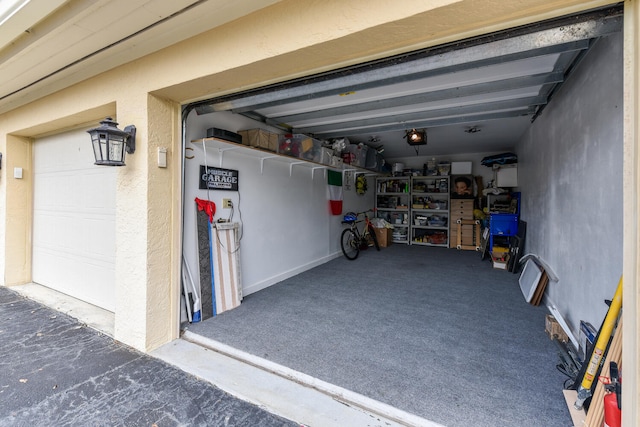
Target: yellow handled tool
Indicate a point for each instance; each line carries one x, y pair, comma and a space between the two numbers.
584, 391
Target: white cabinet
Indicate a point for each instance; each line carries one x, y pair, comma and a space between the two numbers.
392, 204
430, 210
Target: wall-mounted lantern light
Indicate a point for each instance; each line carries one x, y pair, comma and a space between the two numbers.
111, 143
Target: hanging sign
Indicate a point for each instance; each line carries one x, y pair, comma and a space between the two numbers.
218, 179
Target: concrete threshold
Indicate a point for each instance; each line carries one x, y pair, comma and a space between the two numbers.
93, 316
278, 389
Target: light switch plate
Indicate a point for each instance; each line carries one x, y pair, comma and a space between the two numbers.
162, 157
17, 173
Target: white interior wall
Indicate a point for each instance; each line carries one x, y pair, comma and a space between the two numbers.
570, 174
477, 168
286, 224
305, 233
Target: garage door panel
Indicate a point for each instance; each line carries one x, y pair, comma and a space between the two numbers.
74, 220
54, 233
60, 191
83, 278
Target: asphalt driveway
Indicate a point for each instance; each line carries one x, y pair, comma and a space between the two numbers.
56, 371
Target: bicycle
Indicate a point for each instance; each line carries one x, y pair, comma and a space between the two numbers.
353, 240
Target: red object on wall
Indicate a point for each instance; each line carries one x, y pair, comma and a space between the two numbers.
207, 206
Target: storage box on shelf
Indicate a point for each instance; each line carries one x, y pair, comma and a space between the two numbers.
314, 150
356, 155
336, 162
374, 160
429, 210
260, 138
392, 204
429, 237
444, 168
301, 146
326, 155
460, 168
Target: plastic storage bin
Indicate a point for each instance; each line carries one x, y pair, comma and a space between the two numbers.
503, 224
356, 155
301, 146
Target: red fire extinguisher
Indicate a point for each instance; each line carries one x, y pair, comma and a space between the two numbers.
612, 404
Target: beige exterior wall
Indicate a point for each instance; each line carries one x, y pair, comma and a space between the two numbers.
249, 52
631, 244
17, 225
164, 207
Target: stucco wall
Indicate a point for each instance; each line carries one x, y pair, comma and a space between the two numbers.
570, 170
17, 225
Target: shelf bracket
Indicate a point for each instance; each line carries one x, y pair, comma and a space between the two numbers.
262, 159
344, 172
222, 151
313, 169
220, 144
292, 164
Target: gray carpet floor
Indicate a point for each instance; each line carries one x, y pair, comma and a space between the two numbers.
435, 332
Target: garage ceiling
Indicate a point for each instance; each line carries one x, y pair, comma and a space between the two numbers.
474, 96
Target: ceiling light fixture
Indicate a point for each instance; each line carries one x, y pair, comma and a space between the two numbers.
415, 138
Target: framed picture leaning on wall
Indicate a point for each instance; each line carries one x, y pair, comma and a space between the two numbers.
462, 187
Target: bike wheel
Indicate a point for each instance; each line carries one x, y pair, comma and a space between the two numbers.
372, 232
350, 244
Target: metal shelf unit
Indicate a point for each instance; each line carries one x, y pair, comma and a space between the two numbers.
430, 210
392, 204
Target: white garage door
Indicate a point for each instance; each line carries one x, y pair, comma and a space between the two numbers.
74, 220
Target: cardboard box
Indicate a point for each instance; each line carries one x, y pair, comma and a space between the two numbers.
500, 260
553, 328
384, 236
260, 138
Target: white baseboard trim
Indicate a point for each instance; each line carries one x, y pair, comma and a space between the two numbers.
255, 287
